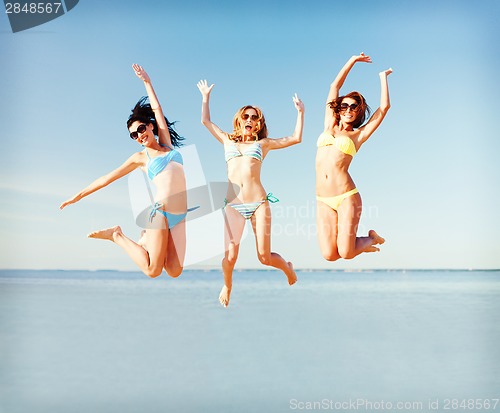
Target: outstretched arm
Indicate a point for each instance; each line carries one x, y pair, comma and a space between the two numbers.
339, 82
163, 132
205, 91
297, 133
379, 115
128, 166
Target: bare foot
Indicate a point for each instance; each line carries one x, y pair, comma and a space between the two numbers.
371, 248
224, 296
377, 239
106, 233
290, 274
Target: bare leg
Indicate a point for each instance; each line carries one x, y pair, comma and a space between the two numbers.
176, 250
150, 261
261, 223
233, 230
350, 246
326, 222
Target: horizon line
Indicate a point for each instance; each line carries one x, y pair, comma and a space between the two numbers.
213, 269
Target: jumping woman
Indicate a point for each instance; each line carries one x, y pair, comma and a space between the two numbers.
162, 244
245, 149
338, 201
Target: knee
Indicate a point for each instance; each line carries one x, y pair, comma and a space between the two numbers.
265, 258
347, 253
331, 256
330, 252
229, 261
153, 272
174, 272
231, 255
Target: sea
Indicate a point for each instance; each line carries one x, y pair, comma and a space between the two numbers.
370, 341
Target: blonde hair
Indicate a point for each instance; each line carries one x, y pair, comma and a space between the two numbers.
261, 132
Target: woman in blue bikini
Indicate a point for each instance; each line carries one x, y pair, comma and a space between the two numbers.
339, 203
245, 149
162, 245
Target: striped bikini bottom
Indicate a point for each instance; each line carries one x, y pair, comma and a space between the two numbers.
248, 209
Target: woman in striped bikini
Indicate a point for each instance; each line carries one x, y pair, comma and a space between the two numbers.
245, 149
339, 203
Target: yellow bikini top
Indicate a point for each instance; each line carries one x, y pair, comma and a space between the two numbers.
342, 143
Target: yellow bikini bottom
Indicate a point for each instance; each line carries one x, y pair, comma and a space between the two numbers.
335, 201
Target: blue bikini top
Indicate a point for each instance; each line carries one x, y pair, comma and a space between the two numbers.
159, 163
253, 150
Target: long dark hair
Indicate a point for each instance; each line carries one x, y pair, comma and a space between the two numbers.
143, 113
362, 113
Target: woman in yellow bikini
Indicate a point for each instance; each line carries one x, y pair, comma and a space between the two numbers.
338, 201
245, 149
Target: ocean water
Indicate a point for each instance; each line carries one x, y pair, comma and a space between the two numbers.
77, 341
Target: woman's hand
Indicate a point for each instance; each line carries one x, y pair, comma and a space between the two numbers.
141, 73
70, 201
299, 105
386, 72
204, 88
362, 58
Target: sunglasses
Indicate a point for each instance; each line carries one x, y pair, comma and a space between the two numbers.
345, 106
140, 129
245, 116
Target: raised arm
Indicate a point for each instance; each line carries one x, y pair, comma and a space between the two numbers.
128, 166
297, 133
339, 82
163, 132
379, 115
205, 91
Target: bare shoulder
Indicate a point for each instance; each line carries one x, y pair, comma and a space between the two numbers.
330, 125
226, 138
357, 137
268, 143
138, 157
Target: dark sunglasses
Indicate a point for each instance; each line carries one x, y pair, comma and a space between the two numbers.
352, 106
140, 129
245, 116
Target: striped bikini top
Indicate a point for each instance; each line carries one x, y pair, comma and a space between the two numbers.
159, 163
253, 150
342, 143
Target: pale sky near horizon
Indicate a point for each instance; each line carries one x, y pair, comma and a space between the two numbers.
427, 177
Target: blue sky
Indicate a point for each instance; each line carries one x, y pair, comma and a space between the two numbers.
428, 177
